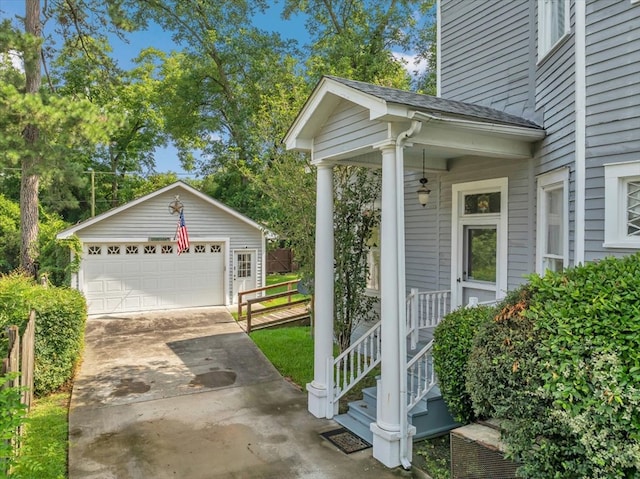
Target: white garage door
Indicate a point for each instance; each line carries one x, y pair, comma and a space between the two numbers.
146, 276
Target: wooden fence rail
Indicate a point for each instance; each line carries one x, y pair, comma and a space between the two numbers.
260, 313
20, 359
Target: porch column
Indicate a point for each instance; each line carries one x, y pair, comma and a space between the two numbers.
323, 292
386, 430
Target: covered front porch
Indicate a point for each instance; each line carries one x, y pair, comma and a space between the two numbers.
476, 159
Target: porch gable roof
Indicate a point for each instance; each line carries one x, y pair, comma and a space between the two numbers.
394, 105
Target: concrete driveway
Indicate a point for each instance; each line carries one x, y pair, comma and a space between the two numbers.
186, 394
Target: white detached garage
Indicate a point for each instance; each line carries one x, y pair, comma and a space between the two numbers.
130, 262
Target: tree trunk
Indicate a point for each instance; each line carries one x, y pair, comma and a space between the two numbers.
29, 215
30, 181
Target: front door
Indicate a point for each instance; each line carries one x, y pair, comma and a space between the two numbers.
244, 271
479, 241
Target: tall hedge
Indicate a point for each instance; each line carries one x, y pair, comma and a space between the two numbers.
453, 340
560, 366
59, 334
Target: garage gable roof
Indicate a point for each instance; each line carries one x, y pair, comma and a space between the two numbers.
178, 185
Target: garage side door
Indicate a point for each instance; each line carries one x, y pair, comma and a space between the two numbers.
142, 277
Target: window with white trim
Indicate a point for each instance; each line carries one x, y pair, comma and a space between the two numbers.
552, 245
553, 24
622, 205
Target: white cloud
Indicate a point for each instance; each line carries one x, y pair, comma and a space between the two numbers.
13, 58
414, 66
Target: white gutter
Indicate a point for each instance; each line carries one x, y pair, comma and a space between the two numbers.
415, 128
486, 127
581, 130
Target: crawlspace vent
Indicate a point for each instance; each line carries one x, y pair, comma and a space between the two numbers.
476, 454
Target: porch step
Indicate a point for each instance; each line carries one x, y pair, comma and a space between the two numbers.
358, 419
430, 416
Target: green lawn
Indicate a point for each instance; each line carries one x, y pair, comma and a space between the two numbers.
276, 278
43, 454
290, 350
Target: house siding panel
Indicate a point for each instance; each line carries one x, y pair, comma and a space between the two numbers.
485, 54
613, 106
347, 129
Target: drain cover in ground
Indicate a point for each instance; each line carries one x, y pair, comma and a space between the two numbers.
345, 440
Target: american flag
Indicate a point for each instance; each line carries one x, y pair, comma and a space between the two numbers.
183, 235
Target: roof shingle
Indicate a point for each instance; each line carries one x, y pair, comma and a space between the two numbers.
437, 105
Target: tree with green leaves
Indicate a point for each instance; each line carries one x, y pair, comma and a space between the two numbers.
39, 127
216, 83
356, 219
357, 38
131, 96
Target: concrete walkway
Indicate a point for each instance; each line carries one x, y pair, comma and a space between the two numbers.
187, 394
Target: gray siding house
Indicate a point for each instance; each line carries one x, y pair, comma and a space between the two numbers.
130, 261
531, 150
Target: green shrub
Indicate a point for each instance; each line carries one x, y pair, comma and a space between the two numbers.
453, 339
12, 413
590, 321
54, 256
60, 321
559, 366
503, 361
10, 234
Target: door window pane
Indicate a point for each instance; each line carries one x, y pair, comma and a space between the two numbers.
244, 265
481, 246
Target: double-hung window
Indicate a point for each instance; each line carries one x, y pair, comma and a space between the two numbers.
553, 24
622, 205
552, 243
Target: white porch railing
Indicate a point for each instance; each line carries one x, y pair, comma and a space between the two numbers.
425, 309
421, 377
353, 364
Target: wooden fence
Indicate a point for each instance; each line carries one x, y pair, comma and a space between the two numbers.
280, 261
20, 359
